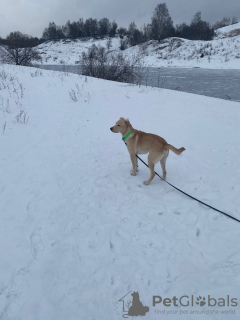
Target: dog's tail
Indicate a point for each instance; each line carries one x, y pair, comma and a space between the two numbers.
146, 309
175, 150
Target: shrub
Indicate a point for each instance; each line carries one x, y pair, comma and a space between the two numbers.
99, 63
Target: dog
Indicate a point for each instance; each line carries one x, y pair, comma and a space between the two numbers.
137, 308
139, 142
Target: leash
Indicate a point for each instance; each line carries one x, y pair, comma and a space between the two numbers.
188, 195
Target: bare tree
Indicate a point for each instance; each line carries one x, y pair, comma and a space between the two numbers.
162, 24
53, 32
224, 22
132, 27
97, 62
147, 29
197, 18
124, 43
234, 20
20, 56
17, 52
199, 29
109, 43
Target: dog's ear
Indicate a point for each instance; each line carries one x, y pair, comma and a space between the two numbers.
127, 122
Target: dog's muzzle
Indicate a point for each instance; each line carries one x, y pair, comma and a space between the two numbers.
111, 129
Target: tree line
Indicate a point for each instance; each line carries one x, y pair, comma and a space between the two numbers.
20, 40
77, 29
160, 27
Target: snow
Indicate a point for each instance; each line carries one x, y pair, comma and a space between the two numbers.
78, 231
177, 52
223, 52
228, 31
69, 51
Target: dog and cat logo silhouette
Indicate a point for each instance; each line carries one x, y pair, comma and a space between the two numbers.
133, 306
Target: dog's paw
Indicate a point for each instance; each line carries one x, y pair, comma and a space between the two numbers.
146, 183
133, 173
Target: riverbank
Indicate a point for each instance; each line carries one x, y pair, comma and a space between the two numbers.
223, 84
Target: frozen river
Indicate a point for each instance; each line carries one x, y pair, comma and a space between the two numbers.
218, 83
224, 84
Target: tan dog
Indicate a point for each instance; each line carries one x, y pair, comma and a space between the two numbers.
139, 142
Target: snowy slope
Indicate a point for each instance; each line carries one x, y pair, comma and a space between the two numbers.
228, 31
78, 231
69, 51
177, 52
222, 52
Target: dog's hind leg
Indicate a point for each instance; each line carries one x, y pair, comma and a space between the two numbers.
163, 165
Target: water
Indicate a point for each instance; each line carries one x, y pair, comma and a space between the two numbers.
223, 84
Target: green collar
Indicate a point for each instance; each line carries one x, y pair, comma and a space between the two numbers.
127, 135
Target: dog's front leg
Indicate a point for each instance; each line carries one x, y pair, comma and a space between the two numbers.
134, 164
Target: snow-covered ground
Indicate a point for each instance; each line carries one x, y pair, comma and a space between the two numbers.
78, 232
222, 52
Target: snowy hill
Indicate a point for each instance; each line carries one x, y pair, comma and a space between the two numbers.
228, 31
69, 51
176, 52
222, 52
78, 231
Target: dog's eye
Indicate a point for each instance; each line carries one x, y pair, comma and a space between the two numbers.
119, 125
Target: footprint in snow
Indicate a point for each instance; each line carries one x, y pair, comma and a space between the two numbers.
111, 246
37, 246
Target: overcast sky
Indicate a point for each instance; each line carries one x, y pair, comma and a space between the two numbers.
32, 16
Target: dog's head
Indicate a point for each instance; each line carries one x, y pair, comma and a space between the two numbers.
135, 295
122, 126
